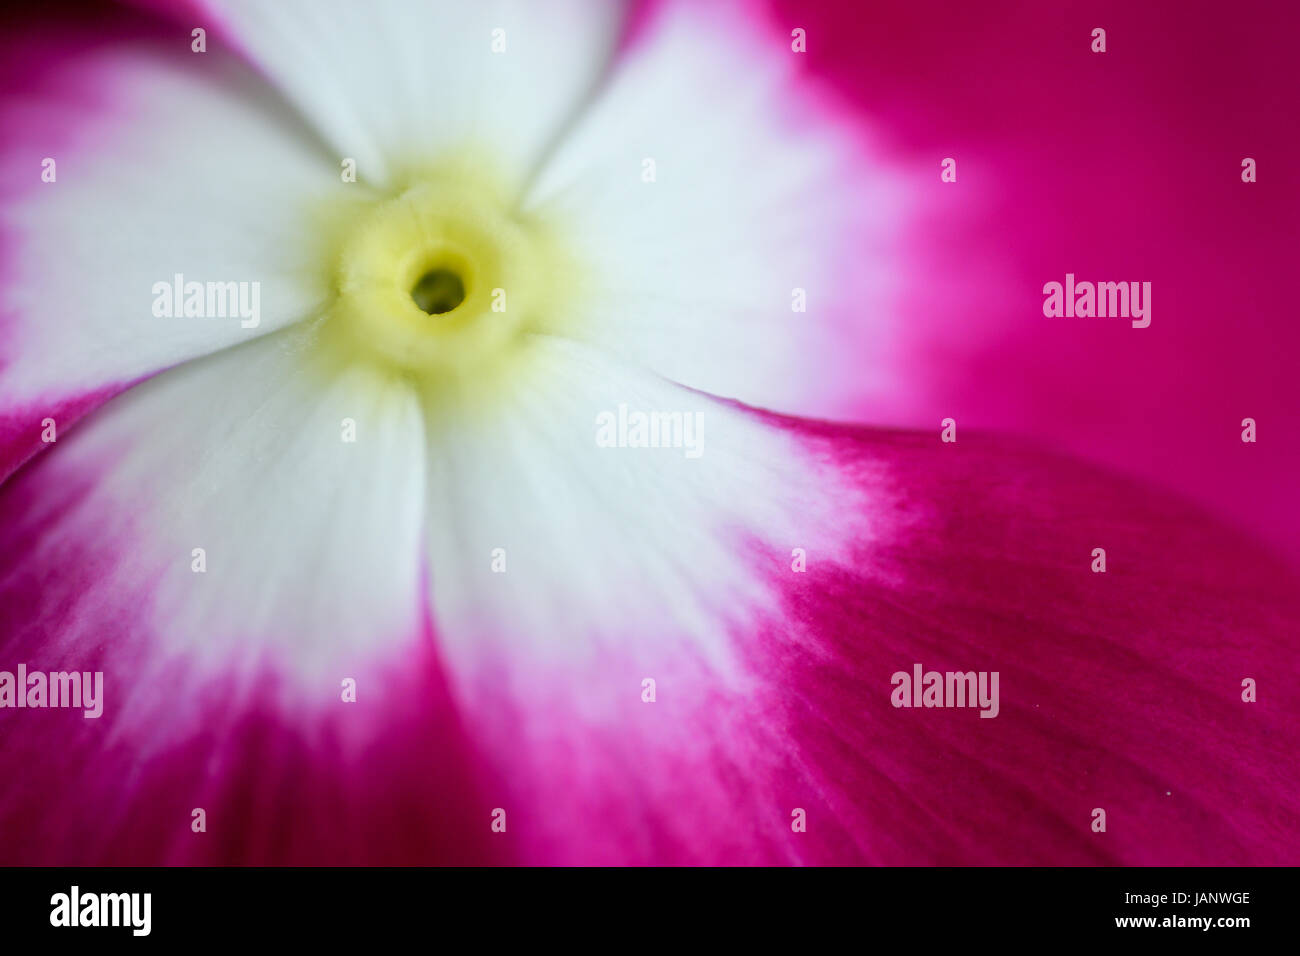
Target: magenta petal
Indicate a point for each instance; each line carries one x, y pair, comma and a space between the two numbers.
389, 782
1119, 690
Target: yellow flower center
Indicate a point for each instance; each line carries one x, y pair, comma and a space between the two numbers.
444, 276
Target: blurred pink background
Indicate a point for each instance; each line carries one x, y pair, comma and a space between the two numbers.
1117, 166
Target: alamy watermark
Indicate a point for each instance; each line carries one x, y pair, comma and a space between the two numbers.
1104, 300
208, 300
80, 689
949, 689
634, 429
74, 908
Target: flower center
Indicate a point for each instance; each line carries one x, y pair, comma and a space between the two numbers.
448, 247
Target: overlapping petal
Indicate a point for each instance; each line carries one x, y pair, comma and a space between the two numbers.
214, 543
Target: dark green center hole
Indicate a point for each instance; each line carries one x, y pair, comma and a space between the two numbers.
438, 291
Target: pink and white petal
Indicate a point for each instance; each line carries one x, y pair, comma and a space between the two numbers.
397, 83
166, 163
564, 572
714, 196
772, 687
224, 685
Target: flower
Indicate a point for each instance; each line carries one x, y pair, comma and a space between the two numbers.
483, 529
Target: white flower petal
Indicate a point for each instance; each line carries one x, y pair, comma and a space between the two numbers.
165, 165
311, 544
565, 572
395, 83
757, 192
